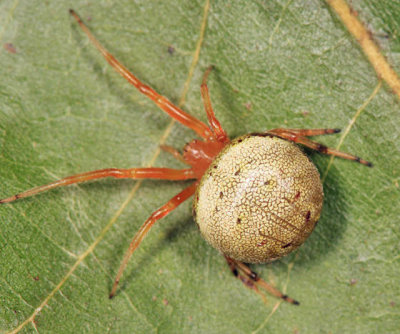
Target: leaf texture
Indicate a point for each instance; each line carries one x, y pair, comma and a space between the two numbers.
63, 110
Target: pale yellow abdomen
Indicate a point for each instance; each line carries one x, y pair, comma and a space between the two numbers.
259, 200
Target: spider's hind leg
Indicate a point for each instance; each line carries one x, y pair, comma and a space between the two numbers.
300, 136
251, 280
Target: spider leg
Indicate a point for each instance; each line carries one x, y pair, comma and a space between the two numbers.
131, 173
155, 216
309, 132
253, 281
300, 136
162, 102
215, 125
174, 152
248, 282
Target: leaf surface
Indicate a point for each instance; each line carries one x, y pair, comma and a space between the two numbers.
63, 110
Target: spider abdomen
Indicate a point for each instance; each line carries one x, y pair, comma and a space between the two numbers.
259, 200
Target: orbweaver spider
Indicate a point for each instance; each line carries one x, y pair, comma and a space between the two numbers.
257, 198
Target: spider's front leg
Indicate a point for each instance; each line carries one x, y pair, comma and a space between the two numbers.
161, 101
215, 125
130, 173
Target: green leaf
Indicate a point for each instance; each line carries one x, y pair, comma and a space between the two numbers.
63, 110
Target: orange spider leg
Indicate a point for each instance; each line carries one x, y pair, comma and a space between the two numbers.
175, 112
156, 215
131, 173
299, 136
254, 280
174, 152
310, 132
215, 125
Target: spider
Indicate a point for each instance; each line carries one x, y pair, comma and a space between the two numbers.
257, 197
